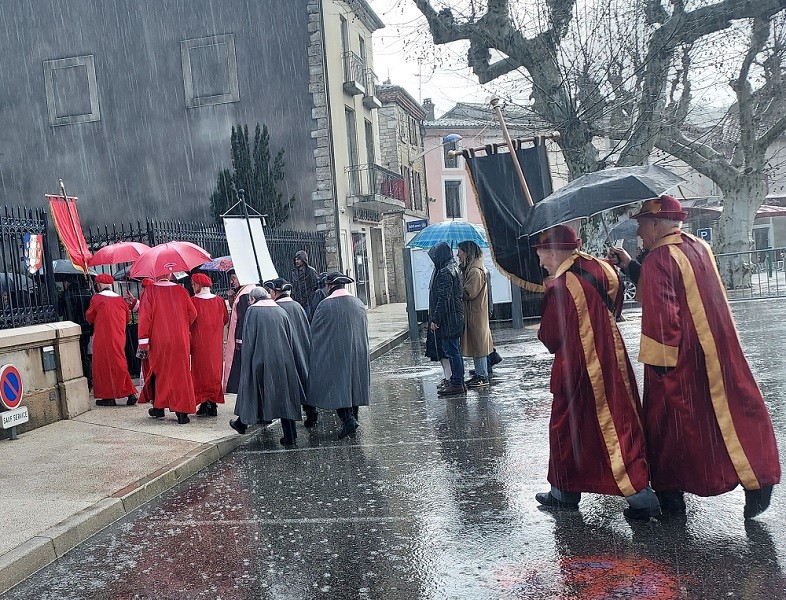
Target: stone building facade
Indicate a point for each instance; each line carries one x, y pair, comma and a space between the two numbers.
401, 134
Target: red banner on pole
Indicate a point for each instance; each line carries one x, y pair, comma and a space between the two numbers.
69, 229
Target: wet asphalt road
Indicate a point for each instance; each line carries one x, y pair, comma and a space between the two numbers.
433, 499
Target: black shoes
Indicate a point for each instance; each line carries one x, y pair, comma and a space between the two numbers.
207, 409
309, 422
348, 428
757, 501
238, 426
451, 389
106, 402
182, 418
477, 382
641, 514
156, 412
132, 399
546, 499
285, 442
672, 502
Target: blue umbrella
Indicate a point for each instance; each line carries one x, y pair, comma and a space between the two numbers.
450, 232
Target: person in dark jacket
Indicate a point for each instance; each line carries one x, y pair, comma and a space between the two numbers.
73, 305
304, 279
446, 314
319, 295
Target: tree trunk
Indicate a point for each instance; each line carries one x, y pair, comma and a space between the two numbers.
734, 246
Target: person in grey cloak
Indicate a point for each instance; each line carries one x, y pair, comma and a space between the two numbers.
279, 290
340, 369
269, 386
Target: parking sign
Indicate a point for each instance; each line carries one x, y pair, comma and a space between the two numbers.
704, 234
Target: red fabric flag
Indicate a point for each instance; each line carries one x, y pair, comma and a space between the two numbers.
69, 229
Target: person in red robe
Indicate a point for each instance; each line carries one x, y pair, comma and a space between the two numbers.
109, 316
144, 364
596, 439
207, 346
708, 429
165, 317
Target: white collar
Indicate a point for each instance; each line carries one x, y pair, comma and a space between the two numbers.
108, 293
205, 294
285, 299
162, 283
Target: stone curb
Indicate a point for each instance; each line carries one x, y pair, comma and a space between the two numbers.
380, 349
18, 564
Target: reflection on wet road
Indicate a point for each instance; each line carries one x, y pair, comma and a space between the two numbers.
433, 499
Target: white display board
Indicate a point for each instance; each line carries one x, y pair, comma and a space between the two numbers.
422, 268
242, 251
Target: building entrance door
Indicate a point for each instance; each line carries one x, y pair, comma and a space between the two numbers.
361, 267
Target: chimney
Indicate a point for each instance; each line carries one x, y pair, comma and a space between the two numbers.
428, 106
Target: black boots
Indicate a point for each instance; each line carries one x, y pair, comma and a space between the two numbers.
207, 409
757, 501
132, 399
238, 426
156, 412
104, 402
182, 418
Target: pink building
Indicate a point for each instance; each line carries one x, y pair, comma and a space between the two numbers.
448, 184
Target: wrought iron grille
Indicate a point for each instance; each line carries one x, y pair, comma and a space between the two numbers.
27, 293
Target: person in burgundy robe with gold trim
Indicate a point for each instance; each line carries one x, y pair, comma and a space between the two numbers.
207, 346
708, 429
165, 317
595, 434
109, 315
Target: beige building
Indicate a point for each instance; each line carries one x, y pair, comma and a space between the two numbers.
354, 190
401, 144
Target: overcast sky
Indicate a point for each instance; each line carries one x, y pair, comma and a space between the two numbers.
404, 53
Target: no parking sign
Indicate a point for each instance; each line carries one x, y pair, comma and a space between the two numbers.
11, 388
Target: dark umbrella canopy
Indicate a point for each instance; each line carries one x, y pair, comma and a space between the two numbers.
14, 282
64, 270
598, 192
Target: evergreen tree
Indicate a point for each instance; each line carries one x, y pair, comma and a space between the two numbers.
255, 173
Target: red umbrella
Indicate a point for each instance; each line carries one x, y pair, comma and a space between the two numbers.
165, 259
118, 253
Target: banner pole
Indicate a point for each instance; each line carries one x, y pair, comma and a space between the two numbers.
241, 194
73, 227
523, 182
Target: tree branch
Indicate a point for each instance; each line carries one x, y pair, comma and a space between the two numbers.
700, 156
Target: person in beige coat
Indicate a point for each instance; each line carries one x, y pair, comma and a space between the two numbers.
476, 341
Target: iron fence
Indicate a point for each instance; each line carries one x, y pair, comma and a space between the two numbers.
283, 244
27, 285
753, 274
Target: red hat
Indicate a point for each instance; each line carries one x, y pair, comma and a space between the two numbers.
105, 278
665, 207
201, 279
560, 237
147, 282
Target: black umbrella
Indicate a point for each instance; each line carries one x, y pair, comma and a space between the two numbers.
14, 282
64, 270
599, 192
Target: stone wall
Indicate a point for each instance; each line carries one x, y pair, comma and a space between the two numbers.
49, 395
323, 198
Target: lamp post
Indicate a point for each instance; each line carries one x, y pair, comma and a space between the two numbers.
449, 138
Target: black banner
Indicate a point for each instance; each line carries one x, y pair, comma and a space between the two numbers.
504, 208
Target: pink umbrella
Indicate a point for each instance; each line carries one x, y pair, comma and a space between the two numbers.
165, 259
119, 252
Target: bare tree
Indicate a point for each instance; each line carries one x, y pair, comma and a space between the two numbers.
626, 75
738, 153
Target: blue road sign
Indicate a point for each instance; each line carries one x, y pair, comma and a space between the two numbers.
704, 234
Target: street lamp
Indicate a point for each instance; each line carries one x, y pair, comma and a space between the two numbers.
449, 138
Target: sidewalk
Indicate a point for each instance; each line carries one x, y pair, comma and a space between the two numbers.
64, 482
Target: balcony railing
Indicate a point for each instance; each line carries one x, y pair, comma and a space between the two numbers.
354, 74
377, 185
370, 100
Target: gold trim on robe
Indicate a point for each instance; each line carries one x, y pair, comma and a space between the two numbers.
595, 373
652, 352
720, 401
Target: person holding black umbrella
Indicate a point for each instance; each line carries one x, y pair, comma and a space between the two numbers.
708, 429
